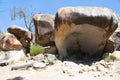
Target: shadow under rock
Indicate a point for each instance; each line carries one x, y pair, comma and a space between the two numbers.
82, 61
17, 78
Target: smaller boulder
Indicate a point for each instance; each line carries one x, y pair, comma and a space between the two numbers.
39, 65
12, 56
116, 39
44, 29
9, 42
22, 34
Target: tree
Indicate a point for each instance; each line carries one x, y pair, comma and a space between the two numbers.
1, 31
22, 14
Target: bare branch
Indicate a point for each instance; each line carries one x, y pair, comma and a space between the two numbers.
22, 14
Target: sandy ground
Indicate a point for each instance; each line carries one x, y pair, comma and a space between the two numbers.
60, 71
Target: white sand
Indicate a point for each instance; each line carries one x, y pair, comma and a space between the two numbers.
55, 72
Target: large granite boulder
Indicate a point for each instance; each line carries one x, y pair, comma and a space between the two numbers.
22, 34
44, 27
9, 42
84, 31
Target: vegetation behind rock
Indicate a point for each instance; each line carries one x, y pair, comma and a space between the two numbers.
109, 58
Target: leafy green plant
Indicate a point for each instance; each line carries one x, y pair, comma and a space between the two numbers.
36, 49
108, 57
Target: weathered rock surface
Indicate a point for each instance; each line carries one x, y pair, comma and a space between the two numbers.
9, 42
50, 58
23, 35
116, 38
12, 56
51, 49
116, 54
84, 31
39, 65
44, 26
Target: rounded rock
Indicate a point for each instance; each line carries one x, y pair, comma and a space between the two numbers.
38, 65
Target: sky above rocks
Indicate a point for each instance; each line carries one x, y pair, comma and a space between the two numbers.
47, 7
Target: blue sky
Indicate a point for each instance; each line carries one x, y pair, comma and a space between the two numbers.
47, 7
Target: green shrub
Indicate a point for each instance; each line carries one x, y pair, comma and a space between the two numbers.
109, 58
36, 49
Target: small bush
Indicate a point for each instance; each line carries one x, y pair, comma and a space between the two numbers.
109, 58
36, 49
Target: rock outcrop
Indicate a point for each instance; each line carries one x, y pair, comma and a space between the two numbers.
44, 27
23, 35
84, 31
12, 56
116, 38
9, 42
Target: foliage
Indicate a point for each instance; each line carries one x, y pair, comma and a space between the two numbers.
21, 13
108, 57
1, 32
36, 49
